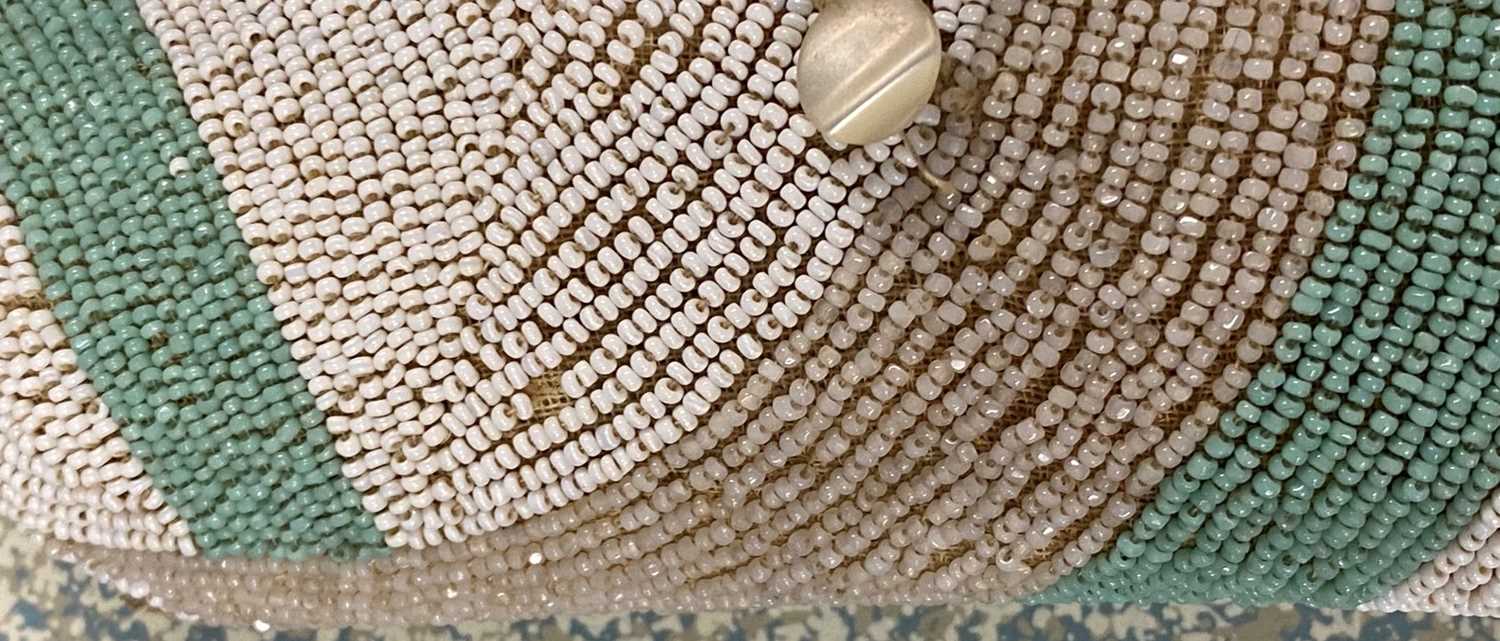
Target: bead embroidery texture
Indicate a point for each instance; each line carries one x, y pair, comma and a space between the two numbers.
143, 266
443, 310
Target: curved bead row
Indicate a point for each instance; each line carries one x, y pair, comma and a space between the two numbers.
1364, 448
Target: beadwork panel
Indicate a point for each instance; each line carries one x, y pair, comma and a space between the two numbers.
144, 268
66, 471
414, 311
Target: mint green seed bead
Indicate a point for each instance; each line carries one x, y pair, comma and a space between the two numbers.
1418, 297
1487, 105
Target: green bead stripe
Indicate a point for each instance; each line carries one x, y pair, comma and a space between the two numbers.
145, 267
1369, 442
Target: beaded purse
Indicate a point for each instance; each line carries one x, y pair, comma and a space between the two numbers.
356, 311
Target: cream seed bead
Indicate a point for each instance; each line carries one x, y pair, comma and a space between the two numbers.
1459, 580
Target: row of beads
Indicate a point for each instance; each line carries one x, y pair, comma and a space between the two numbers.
403, 206
146, 272
1460, 579
64, 470
1363, 449
929, 428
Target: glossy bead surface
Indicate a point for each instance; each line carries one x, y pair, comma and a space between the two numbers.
866, 66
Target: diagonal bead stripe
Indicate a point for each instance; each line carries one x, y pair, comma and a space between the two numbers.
1367, 446
64, 468
146, 270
